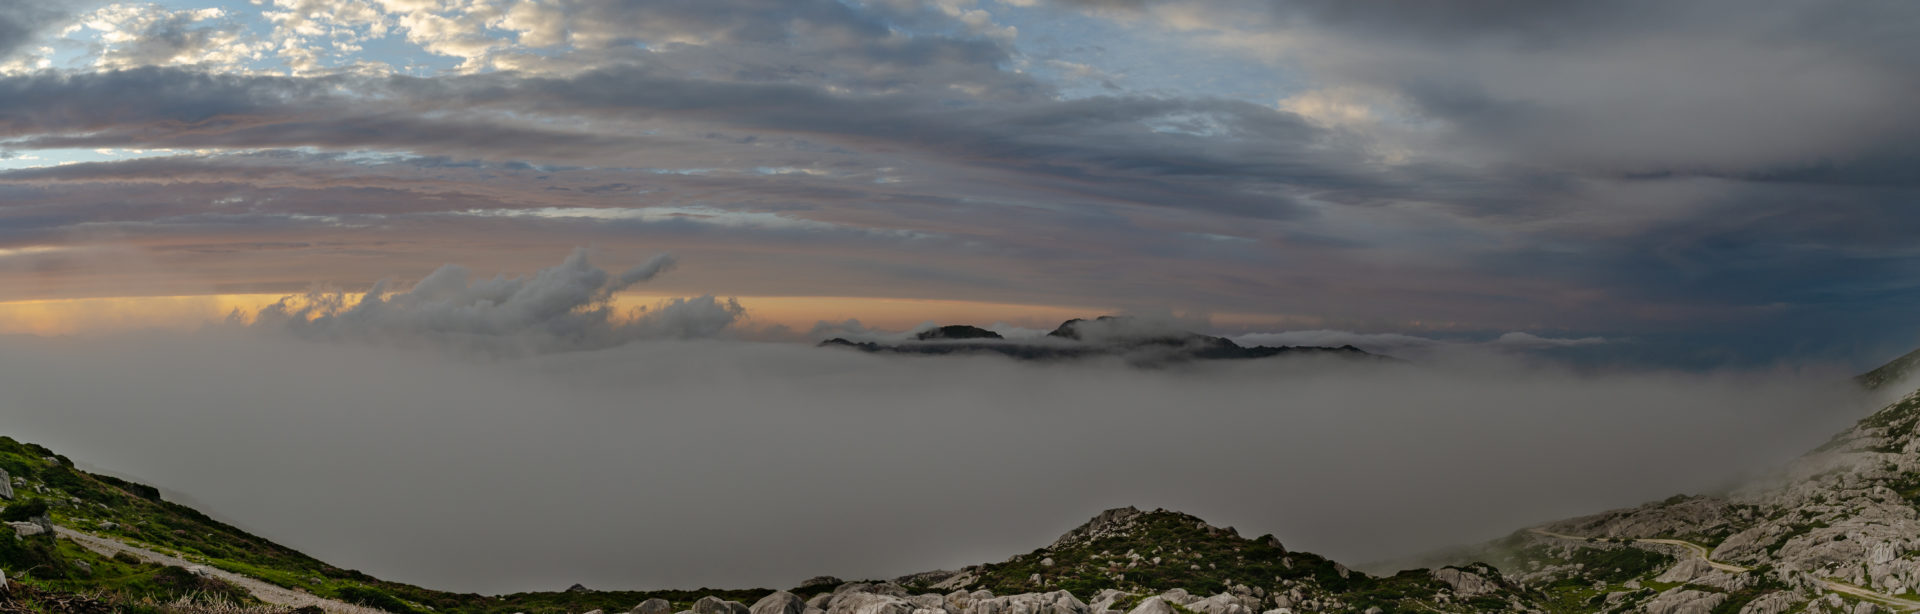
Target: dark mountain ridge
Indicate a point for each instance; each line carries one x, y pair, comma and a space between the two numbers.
1131, 339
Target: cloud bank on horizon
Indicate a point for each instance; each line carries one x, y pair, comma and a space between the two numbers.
675, 463
1721, 178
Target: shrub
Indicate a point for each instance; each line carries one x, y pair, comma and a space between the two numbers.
374, 599
24, 510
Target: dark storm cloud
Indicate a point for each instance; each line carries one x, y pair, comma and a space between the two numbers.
21, 20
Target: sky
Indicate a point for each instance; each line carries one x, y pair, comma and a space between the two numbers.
375, 277
1714, 182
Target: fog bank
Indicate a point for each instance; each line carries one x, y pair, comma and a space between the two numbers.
686, 463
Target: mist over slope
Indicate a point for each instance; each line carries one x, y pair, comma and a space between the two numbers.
679, 463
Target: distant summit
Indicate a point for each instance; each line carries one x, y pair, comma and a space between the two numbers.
1136, 340
957, 331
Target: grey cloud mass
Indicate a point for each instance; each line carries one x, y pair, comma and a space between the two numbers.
562, 308
652, 464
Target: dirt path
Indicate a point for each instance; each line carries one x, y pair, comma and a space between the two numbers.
264, 591
1704, 553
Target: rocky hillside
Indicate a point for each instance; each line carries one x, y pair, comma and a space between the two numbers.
1837, 530
1127, 560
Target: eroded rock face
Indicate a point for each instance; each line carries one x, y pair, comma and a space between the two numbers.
1779, 602
1685, 571
858, 602
1684, 601
1110, 522
1466, 584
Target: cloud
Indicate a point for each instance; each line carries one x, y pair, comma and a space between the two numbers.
20, 22
563, 308
133, 35
651, 465
1601, 89
1527, 340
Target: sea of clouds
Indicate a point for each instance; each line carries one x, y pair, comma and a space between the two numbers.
509, 434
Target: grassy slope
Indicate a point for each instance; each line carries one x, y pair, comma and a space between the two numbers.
135, 512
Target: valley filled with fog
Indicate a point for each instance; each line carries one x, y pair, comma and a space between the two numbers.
682, 462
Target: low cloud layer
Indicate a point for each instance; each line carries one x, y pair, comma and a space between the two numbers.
564, 308
684, 463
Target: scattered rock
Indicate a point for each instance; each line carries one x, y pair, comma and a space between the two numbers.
652, 606
780, 602
1684, 601
715, 605
1152, 605
1466, 584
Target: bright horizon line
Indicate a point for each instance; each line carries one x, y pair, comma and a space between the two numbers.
70, 316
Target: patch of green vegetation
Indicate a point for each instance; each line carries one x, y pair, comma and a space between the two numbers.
24, 510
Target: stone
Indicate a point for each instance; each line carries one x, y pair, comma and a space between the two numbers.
26, 529
869, 603
715, 605
1056, 602
1152, 605
1684, 601
1219, 604
652, 606
1686, 571
6, 485
928, 601
1777, 602
779, 602
1465, 583
822, 582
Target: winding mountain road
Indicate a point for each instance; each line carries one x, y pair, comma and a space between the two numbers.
264, 591
1704, 553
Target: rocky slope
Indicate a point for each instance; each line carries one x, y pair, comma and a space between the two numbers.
1837, 530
